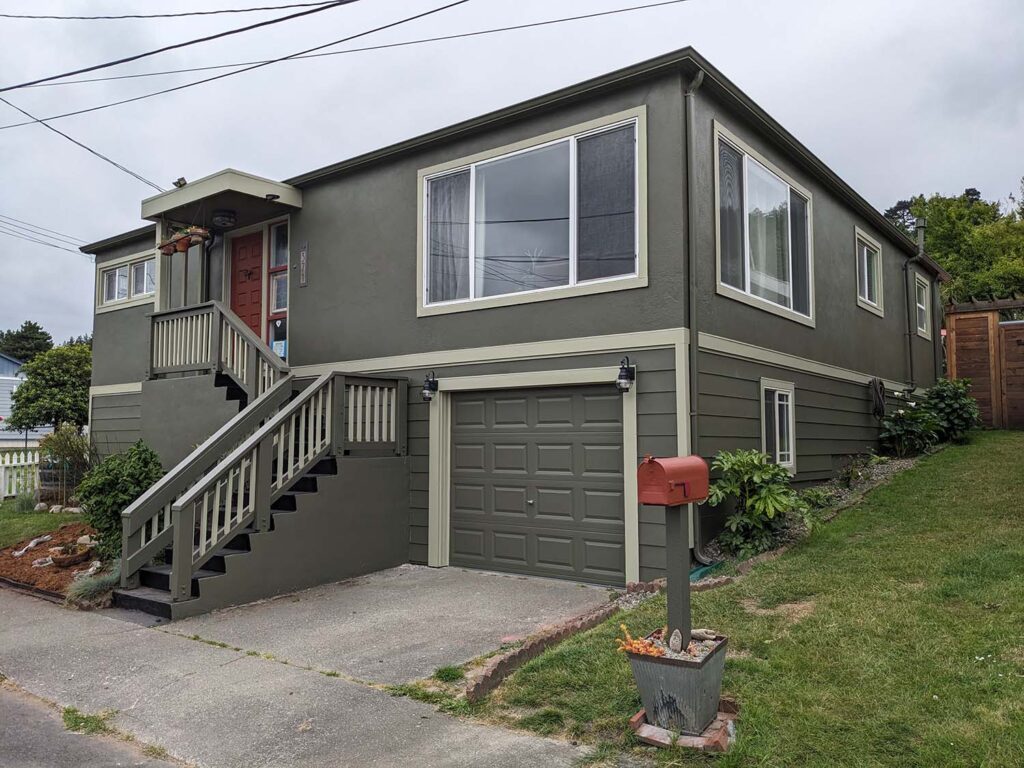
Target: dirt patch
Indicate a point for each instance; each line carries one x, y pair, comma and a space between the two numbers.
791, 613
50, 578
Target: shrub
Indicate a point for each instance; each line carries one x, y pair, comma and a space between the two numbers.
955, 411
909, 431
110, 487
765, 502
91, 589
71, 450
818, 498
25, 502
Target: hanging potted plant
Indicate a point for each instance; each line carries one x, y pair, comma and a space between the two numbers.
197, 235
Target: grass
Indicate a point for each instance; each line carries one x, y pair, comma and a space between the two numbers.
449, 674
891, 637
79, 722
16, 526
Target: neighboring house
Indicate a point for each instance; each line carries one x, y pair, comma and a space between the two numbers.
654, 213
11, 376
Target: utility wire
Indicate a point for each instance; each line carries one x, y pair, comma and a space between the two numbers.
175, 46
35, 233
164, 15
10, 233
240, 71
384, 46
44, 229
87, 148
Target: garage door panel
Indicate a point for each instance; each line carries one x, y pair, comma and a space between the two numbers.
547, 466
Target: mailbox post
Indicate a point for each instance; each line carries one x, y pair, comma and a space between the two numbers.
674, 483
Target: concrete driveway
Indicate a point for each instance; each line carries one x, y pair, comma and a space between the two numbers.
219, 707
397, 625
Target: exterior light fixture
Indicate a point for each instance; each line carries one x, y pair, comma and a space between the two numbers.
627, 375
429, 387
271, 197
223, 219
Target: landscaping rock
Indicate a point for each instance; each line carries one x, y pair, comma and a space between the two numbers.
73, 510
41, 507
56, 509
675, 643
88, 540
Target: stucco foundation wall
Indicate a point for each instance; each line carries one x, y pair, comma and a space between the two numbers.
116, 422
656, 427
833, 417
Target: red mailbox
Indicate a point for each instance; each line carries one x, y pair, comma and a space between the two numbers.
672, 482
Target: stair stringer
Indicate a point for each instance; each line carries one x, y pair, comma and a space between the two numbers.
357, 522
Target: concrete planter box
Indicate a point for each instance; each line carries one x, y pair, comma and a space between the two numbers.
678, 694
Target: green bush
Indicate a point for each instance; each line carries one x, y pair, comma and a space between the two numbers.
909, 431
109, 488
70, 450
765, 502
818, 498
955, 411
25, 502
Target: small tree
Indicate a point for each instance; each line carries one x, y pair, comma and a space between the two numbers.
55, 390
25, 343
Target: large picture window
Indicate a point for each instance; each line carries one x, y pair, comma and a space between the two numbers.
763, 233
561, 214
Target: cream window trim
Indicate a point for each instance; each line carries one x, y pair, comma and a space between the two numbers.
788, 388
863, 238
439, 502
923, 282
129, 261
604, 285
731, 292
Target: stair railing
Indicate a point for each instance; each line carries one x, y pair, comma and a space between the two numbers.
336, 414
147, 522
210, 338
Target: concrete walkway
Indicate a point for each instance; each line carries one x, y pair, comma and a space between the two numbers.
222, 708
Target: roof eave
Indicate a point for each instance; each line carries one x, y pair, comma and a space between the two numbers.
114, 240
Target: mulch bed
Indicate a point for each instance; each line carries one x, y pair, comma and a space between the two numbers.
52, 579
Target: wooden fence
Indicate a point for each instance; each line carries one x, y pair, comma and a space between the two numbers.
19, 472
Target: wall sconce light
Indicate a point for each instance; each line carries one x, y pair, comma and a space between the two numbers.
429, 387
627, 375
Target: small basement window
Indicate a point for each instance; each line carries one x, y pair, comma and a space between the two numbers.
778, 422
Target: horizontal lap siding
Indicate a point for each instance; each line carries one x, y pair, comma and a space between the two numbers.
116, 422
656, 427
833, 417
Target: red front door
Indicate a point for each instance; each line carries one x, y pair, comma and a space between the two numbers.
247, 280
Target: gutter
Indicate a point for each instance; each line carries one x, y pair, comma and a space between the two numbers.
693, 318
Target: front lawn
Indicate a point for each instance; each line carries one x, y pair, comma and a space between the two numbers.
16, 526
893, 636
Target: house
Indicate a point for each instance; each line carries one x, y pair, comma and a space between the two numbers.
11, 377
412, 355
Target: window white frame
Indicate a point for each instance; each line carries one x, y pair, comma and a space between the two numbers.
786, 392
638, 279
126, 265
863, 240
275, 277
746, 296
923, 303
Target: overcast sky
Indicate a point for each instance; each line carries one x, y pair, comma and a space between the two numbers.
897, 97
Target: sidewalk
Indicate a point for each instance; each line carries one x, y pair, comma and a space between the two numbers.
220, 708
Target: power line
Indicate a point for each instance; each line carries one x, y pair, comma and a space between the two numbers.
35, 233
165, 15
363, 49
247, 69
185, 44
87, 148
44, 229
11, 233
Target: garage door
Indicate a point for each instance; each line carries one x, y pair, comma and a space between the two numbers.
537, 482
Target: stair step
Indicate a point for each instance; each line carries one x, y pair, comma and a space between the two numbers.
159, 577
215, 563
305, 484
284, 503
328, 466
156, 602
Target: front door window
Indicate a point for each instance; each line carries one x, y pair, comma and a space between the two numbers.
277, 299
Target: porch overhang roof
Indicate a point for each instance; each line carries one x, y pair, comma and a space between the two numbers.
251, 198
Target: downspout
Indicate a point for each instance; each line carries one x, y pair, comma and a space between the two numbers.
911, 297
691, 295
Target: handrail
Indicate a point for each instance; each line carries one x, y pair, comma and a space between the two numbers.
146, 523
209, 337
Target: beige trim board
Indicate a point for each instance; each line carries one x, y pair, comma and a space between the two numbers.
439, 503
115, 389
724, 346
585, 345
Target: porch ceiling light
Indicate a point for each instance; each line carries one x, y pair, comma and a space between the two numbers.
223, 218
429, 387
627, 375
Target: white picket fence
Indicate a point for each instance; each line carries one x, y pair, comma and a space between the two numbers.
19, 472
